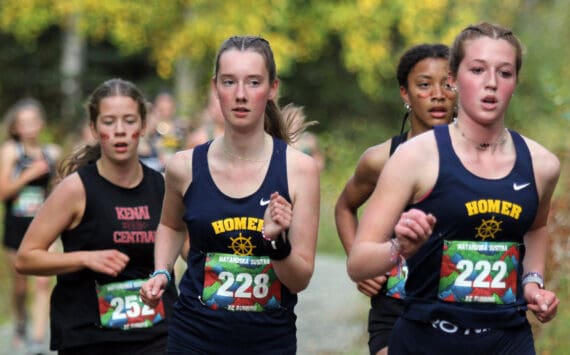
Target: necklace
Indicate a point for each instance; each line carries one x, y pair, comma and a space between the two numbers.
502, 139
238, 157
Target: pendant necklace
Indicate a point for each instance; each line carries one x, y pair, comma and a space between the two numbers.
238, 157
501, 140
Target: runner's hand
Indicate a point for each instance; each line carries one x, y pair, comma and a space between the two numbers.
110, 262
412, 230
37, 169
277, 217
543, 303
371, 287
151, 291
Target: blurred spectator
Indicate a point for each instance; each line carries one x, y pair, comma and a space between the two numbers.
211, 123
304, 140
149, 152
170, 132
27, 168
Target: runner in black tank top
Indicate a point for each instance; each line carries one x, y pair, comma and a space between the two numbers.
106, 210
130, 217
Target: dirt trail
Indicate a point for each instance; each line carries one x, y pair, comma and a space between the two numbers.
331, 312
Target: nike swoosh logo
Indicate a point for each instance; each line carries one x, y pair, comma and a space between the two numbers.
518, 187
263, 202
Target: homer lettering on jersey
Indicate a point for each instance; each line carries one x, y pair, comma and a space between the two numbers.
240, 244
482, 270
474, 256
240, 279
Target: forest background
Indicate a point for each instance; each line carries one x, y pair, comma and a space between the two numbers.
335, 58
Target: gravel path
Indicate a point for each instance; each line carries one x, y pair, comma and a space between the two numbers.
331, 314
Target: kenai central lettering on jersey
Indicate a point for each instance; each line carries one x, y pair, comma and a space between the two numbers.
134, 221
504, 208
132, 213
237, 223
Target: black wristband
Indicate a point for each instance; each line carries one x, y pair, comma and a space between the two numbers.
278, 249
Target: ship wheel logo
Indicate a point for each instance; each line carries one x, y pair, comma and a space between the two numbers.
488, 228
241, 245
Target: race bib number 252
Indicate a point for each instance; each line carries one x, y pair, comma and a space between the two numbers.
121, 307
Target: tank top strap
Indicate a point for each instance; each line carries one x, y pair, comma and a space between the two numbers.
21, 149
200, 159
276, 178
397, 140
447, 156
524, 159
23, 159
50, 160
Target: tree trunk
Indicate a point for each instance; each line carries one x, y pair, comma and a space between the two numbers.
185, 90
72, 65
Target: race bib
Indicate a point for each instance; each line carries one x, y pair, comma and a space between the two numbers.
479, 272
28, 201
396, 283
121, 307
240, 283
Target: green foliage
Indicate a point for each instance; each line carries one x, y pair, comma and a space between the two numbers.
337, 58
343, 146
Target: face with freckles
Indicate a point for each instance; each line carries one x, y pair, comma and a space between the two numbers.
118, 128
429, 93
243, 87
486, 79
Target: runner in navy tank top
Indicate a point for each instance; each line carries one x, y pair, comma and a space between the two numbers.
473, 227
249, 202
226, 240
422, 77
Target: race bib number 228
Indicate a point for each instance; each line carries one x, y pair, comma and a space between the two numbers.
240, 283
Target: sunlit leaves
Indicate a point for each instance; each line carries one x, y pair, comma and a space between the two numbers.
372, 33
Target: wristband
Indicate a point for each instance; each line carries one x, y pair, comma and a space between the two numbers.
162, 272
395, 250
395, 256
279, 248
535, 277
